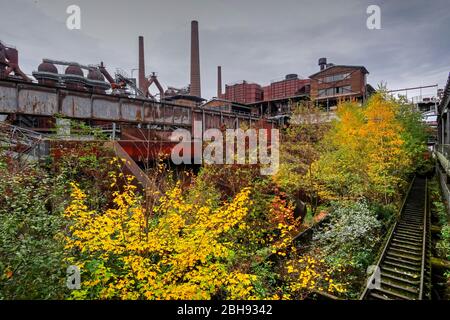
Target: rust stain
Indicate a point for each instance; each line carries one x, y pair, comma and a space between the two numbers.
139, 115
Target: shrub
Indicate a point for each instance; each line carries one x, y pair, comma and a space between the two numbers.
350, 235
443, 245
180, 254
31, 265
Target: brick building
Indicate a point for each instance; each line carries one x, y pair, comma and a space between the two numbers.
270, 100
281, 95
288, 87
334, 83
243, 92
223, 105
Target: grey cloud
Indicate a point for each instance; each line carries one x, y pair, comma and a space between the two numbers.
254, 40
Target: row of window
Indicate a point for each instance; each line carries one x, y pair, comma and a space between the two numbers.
335, 91
334, 78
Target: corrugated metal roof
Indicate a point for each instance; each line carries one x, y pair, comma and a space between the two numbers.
446, 98
342, 66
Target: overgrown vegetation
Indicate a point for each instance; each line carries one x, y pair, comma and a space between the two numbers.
30, 221
360, 170
224, 233
440, 219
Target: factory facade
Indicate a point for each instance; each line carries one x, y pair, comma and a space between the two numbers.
326, 88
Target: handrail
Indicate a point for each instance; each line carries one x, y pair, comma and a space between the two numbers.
391, 233
443, 148
422, 271
31, 133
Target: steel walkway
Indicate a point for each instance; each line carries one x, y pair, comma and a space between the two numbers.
403, 269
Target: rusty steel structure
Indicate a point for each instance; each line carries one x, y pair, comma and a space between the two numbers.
153, 79
21, 144
98, 79
34, 99
144, 81
140, 123
152, 119
73, 77
9, 63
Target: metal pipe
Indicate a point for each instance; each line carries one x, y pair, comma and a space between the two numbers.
414, 88
68, 63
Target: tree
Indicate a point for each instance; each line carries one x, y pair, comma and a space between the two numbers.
370, 151
299, 150
415, 134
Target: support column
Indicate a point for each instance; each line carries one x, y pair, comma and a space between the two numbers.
442, 133
447, 129
113, 131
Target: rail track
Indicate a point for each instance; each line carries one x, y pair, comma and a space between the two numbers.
403, 268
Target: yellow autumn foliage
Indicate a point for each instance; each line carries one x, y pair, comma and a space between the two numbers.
307, 274
179, 254
367, 154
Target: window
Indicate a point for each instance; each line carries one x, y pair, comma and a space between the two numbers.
334, 91
334, 78
327, 92
344, 90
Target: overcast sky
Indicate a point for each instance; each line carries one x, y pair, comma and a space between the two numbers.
255, 40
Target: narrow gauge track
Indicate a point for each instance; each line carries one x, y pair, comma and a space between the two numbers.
404, 263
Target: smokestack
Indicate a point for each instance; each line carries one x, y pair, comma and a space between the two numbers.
219, 81
195, 61
142, 80
322, 63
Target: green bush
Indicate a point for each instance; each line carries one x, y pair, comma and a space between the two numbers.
443, 245
351, 235
30, 253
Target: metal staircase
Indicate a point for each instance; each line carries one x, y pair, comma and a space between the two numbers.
405, 263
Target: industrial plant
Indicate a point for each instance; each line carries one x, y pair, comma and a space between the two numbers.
357, 207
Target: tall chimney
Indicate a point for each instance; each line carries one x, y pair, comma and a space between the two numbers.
142, 80
195, 61
219, 81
